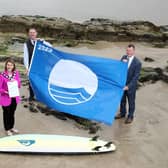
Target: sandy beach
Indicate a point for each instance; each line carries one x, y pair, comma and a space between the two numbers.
140, 144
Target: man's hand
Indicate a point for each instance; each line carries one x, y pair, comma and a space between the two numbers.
40, 39
26, 72
125, 88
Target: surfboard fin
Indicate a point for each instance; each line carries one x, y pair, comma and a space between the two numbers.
97, 148
108, 144
95, 138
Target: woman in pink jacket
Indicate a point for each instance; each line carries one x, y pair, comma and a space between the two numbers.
7, 102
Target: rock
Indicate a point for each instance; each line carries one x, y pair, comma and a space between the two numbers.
140, 84
153, 74
3, 47
159, 71
16, 59
159, 44
33, 109
71, 43
166, 69
19, 39
24, 80
25, 106
164, 28
41, 107
84, 123
47, 111
123, 31
93, 29
165, 77
93, 129
148, 74
59, 115
147, 59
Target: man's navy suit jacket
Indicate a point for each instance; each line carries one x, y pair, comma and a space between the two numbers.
133, 74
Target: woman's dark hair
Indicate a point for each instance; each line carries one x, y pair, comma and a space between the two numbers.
11, 61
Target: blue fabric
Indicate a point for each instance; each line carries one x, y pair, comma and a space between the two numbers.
98, 101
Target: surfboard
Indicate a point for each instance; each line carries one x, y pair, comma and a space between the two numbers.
58, 144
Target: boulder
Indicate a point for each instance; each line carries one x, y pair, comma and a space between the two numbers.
148, 59
153, 74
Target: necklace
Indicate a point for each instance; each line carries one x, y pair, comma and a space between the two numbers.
10, 77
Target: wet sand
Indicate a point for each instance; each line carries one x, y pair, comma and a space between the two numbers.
117, 49
140, 144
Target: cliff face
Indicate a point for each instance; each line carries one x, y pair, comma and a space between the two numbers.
94, 29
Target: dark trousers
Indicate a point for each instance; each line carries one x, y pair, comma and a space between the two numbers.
9, 115
131, 102
31, 93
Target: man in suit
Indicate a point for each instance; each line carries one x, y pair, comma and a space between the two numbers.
28, 52
134, 67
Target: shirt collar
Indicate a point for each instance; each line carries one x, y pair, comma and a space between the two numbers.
131, 58
33, 41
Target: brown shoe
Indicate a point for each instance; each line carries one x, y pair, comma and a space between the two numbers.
128, 121
119, 116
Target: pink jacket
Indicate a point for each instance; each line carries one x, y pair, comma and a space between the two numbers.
5, 100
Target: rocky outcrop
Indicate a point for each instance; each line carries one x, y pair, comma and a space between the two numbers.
124, 31
3, 47
16, 59
94, 29
148, 59
81, 123
152, 75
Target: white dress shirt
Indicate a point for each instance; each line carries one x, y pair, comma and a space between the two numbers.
130, 60
26, 54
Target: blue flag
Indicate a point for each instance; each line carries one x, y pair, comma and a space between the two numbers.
85, 86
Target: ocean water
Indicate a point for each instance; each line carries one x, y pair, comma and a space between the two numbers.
80, 10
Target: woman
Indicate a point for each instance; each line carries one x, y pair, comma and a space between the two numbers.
7, 102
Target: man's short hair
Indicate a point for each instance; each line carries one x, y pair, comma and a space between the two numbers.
131, 46
32, 28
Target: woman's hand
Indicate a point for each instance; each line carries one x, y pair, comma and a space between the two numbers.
6, 92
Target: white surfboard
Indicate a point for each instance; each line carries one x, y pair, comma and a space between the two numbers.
39, 143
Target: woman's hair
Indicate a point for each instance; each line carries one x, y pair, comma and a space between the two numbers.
10, 61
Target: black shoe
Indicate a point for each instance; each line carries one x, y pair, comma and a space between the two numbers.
119, 116
128, 120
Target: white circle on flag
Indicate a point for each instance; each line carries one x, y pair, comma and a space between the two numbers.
71, 82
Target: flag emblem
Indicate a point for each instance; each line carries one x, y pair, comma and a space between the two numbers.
71, 82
